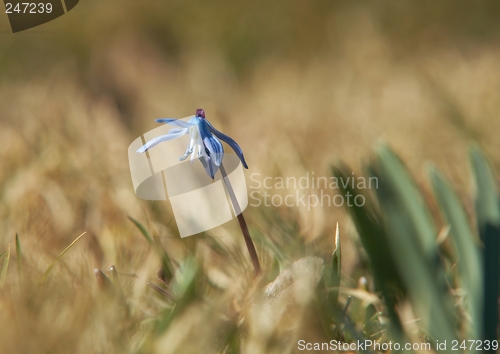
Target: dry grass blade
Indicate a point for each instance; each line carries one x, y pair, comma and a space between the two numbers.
49, 269
114, 275
5, 267
104, 282
19, 255
362, 295
160, 290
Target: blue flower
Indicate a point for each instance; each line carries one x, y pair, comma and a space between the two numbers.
204, 142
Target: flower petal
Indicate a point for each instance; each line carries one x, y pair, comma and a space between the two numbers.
159, 139
229, 141
174, 121
190, 149
213, 144
209, 165
215, 147
176, 130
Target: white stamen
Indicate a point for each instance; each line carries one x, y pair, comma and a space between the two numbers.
194, 144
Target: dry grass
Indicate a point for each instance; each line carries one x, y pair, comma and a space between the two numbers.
298, 90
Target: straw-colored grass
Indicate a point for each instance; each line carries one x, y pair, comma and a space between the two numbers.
298, 86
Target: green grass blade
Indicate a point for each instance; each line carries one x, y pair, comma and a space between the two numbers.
486, 190
49, 269
400, 190
327, 300
374, 240
491, 237
165, 259
469, 258
19, 255
488, 220
335, 269
274, 271
183, 286
412, 237
183, 289
143, 231
5, 267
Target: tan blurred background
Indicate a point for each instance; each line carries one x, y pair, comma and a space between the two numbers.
299, 84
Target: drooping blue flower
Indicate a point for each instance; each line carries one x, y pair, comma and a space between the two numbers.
204, 141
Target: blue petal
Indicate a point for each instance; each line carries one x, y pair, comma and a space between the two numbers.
229, 141
209, 165
176, 130
174, 121
173, 134
214, 146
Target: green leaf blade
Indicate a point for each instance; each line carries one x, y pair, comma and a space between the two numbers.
412, 234
488, 224
469, 257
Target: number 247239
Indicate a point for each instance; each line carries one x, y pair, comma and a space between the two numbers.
28, 8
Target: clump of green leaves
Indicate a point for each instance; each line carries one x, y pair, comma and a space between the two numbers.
399, 233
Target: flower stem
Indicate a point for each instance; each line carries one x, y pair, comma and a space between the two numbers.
242, 222
250, 245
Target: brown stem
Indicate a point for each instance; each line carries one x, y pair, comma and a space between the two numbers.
242, 222
250, 245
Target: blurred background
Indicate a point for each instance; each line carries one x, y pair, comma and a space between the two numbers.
298, 84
